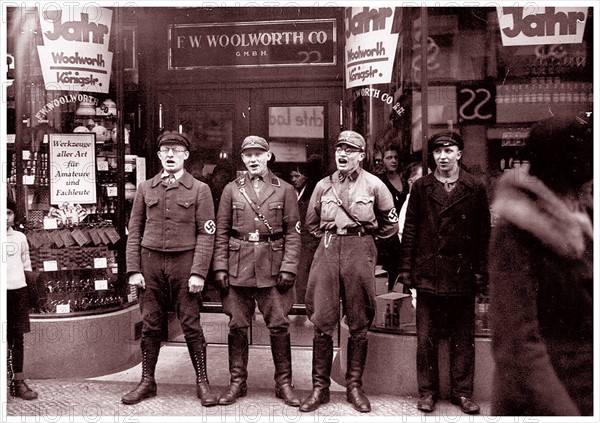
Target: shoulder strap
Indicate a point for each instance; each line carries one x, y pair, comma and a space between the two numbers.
255, 209
341, 204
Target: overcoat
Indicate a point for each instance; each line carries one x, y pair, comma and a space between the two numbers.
444, 243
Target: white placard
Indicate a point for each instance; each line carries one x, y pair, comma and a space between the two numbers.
288, 152
50, 223
535, 25
101, 284
63, 308
100, 263
102, 165
75, 56
72, 169
370, 46
297, 122
111, 191
50, 265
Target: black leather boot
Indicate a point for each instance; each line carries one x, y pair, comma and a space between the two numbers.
147, 386
197, 352
18, 388
282, 358
238, 367
321, 373
357, 357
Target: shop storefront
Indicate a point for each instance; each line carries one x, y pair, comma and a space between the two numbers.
90, 90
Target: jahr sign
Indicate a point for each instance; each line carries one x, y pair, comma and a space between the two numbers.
370, 46
521, 26
73, 168
75, 54
253, 44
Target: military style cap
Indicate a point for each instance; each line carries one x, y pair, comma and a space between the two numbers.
351, 138
173, 138
446, 139
254, 141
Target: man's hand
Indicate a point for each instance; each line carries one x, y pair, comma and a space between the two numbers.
222, 278
195, 284
405, 279
285, 281
137, 280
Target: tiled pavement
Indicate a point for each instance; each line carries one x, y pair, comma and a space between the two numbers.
98, 399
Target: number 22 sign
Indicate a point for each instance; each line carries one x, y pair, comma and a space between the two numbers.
476, 103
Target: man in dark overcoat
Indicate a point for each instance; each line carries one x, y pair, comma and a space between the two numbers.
443, 256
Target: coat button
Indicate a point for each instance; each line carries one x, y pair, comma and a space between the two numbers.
464, 216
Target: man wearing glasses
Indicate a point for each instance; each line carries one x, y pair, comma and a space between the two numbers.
169, 248
346, 210
257, 250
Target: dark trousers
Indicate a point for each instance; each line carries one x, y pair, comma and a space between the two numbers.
166, 276
452, 317
240, 302
343, 267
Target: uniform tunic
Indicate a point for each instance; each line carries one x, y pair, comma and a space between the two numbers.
171, 237
344, 264
257, 264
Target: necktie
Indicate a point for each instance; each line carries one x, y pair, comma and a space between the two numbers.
256, 184
170, 179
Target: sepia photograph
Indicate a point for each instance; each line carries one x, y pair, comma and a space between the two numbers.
301, 211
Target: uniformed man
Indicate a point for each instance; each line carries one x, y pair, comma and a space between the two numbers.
256, 258
346, 210
169, 248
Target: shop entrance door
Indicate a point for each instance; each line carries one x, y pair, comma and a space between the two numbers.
298, 121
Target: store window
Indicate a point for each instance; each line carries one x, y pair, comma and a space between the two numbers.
71, 168
486, 74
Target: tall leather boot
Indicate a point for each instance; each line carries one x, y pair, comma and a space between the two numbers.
357, 357
147, 386
321, 373
197, 352
238, 367
282, 358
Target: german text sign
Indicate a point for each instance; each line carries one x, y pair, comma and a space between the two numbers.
253, 44
73, 168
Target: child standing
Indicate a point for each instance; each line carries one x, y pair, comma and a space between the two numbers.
17, 301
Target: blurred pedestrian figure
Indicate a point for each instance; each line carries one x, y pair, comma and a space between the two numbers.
541, 276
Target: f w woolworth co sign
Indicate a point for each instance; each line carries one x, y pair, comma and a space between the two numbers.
253, 44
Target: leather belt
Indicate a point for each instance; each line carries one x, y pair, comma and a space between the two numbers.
354, 231
256, 237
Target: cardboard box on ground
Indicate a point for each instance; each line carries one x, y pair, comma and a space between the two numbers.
395, 309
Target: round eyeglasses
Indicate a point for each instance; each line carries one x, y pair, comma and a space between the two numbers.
173, 149
346, 149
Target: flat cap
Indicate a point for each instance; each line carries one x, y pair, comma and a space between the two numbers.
351, 138
254, 141
173, 138
446, 139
